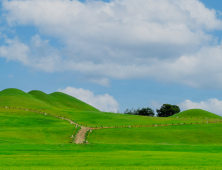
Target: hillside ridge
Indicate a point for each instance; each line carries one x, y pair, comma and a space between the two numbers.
36, 98
196, 113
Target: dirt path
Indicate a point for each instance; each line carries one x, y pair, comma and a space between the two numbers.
80, 137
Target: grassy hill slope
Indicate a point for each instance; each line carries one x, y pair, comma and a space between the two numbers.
196, 113
71, 102
106, 119
40, 100
24, 127
67, 106
46, 98
201, 134
16, 97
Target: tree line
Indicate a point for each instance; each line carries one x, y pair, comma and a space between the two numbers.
165, 110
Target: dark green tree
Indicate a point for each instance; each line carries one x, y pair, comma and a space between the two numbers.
167, 110
144, 111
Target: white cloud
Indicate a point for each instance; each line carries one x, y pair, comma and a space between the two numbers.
38, 54
103, 102
121, 28
15, 50
212, 105
163, 39
101, 81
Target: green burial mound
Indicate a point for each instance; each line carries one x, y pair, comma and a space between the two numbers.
61, 100
71, 102
18, 98
40, 100
196, 113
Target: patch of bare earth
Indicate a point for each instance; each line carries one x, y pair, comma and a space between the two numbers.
80, 137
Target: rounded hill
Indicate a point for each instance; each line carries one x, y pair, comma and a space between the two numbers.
38, 99
71, 102
16, 97
12, 92
196, 113
45, 98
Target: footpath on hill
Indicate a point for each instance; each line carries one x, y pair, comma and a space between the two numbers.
81, 135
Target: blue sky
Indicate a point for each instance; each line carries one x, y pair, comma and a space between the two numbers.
115, 55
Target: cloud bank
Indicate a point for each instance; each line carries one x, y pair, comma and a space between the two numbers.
168, 40
103, 102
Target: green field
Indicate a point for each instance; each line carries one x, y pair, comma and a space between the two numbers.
22, 127
204, 134
98, 156
31, 140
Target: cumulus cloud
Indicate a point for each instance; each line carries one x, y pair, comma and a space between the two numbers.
212, 105
103, 102
120, 29
101, 81
38, 54
15, 50
168, 40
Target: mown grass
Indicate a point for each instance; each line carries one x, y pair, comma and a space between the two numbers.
200, 134
105, 156
106, 119
17, 126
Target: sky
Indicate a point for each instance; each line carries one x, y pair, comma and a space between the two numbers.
115, 55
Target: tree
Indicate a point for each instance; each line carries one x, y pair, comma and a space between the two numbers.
167, 110
144, 111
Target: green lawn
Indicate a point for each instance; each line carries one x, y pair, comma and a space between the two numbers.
200, 134
69, 156
17, 126
106, 119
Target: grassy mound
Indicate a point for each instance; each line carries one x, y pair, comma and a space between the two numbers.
61, 100
196, 113
46, 98
40, 100
71, 102
18, 98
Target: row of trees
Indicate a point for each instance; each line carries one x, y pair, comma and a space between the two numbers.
166, 110
144, 111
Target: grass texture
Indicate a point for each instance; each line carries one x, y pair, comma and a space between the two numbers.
69, 156
198, 134
18, 126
